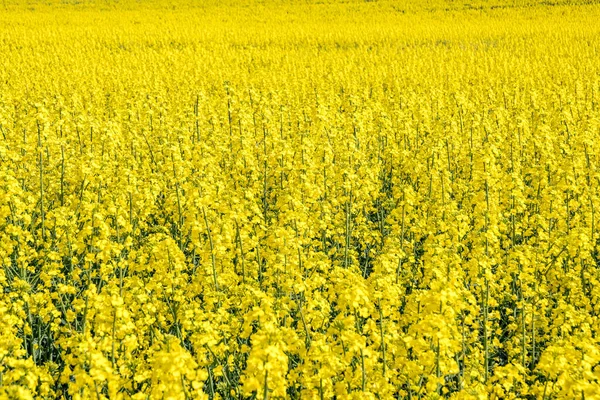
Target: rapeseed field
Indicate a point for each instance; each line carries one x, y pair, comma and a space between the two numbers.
309, 199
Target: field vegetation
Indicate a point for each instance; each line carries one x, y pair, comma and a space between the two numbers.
299, 199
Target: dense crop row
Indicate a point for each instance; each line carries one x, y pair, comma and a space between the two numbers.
377, 201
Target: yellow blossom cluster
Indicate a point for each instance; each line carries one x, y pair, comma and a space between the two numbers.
299, 199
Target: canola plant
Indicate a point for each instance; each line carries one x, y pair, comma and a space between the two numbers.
299, 199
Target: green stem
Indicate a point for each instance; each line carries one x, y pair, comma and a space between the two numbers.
212, 251
239, 239
364, 374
